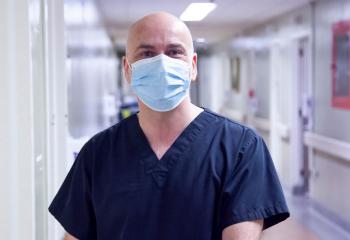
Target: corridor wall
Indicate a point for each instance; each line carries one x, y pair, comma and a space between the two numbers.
330, 174
16, 136
267, 55
330, 184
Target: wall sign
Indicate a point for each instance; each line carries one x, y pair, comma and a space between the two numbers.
341, 65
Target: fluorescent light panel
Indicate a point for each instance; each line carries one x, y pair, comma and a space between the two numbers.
197, 11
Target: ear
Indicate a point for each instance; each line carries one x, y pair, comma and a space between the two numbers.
194, 67
127, 70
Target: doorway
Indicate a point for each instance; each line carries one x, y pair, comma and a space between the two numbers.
302, 113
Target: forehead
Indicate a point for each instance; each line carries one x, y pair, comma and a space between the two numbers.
158, 35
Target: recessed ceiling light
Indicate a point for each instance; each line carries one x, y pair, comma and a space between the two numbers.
197, 11
201, 40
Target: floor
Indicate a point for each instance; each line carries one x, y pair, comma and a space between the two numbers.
305, 223
290, 229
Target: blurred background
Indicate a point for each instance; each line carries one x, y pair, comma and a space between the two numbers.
281, 67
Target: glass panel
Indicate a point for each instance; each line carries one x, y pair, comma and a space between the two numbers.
342, 65
92, 72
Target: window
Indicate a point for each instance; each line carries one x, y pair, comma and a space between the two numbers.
341, 65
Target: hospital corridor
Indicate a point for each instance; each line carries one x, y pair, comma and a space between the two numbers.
162, 120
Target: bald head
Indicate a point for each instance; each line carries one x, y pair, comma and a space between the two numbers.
159, 33
158, 29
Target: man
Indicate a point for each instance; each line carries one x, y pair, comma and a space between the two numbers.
174, 170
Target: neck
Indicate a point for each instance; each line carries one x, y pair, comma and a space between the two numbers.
163, 124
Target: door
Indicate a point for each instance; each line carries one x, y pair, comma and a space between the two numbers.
302, 112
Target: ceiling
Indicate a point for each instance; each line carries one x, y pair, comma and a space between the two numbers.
230, 16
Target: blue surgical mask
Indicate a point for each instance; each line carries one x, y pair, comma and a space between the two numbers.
160, 82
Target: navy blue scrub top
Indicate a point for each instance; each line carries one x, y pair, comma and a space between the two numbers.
217, 173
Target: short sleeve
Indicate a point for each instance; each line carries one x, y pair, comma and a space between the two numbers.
252, 189
72, 205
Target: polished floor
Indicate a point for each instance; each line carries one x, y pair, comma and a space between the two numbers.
290, 229
305, 223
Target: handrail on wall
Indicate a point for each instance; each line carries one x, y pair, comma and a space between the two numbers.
337, 148
233, 114
262, 124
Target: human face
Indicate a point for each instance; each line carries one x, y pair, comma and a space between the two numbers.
156, 35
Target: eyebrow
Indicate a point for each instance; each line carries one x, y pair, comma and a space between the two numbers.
145, 46
175, 45
148, 46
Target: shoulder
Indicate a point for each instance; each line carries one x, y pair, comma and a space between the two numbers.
235, 142
241, 134
109, 135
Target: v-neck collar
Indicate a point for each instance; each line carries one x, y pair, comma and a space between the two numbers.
160, 168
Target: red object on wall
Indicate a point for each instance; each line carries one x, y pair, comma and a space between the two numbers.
341, 65
251, 93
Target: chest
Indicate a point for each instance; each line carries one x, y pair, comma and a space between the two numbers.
160, 148
136, 190
160, 145
177, 181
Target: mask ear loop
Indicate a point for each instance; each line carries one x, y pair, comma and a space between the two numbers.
190, 69
127, 61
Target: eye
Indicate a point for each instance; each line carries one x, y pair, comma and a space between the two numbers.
147, 54
175, 53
